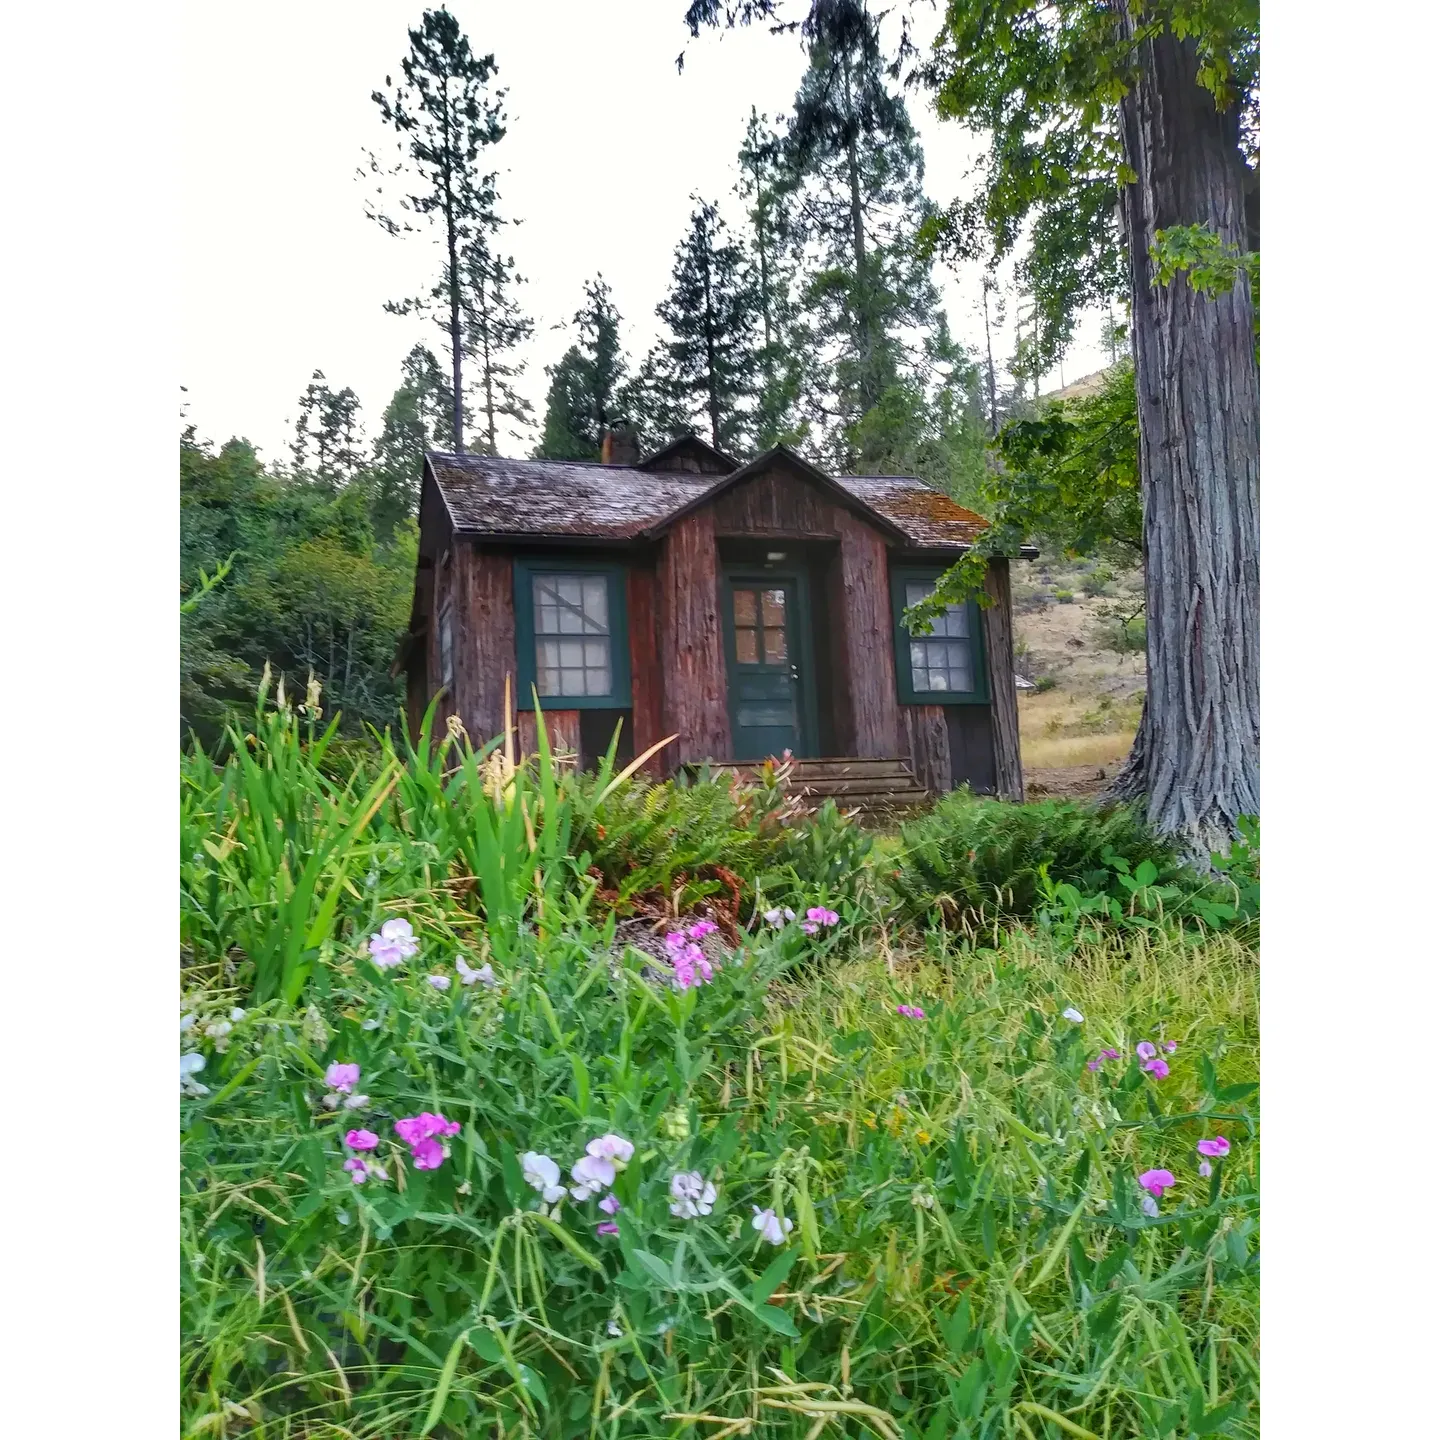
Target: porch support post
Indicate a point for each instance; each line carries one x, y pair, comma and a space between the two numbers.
694, 700
869, 650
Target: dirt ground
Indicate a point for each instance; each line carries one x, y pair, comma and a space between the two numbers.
1076, 728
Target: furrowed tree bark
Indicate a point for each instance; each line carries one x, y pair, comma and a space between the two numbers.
1196, 757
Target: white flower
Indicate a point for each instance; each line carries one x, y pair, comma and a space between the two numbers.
485, 975
614, 1148
371, 1024
1205, 1169
772, 1226
356, 1102
394, 942
219, 1030
591, 1174
1071, 1014
332, 1100
777, 916
613, 1329
692, 1195
237, 1014
190, 1065
438, 982
1148, 1205
542, 1174
186, 1021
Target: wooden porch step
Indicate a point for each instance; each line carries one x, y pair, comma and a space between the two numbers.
867, 783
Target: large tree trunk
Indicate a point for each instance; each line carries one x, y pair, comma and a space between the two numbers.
1196, 758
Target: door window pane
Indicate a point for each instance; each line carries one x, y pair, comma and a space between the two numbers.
747, 652
774, 645
772, 607
576, 607
745, 608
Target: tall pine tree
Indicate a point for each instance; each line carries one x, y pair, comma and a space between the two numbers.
711, 355
496, 327
328, 437
586, 383
418, 418
444, 118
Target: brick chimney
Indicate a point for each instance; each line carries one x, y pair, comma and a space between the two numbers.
620, 446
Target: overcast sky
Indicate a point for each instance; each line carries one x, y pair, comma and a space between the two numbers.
283, 272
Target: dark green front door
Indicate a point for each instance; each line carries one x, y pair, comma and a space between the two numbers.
762, 632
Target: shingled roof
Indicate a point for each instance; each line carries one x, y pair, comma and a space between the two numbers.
523, 499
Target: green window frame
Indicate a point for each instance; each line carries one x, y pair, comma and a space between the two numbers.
558, 633
942, 653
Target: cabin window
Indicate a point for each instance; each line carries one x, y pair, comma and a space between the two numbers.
447, 645
573, 639
947, 666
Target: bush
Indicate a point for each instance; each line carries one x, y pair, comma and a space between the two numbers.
1065, 597
1045, 682
972, 862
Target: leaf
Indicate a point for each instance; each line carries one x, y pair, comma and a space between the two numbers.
1227, 1093
773, 1276
777, 1320
533, 1383
657, 1268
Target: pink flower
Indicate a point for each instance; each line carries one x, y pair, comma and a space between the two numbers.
607, 1227
394, 943
438, 982
701, 928
362, 1139
1158, 1068
1109, 1054
422, 1133
808, 928
610, 1205
1216, 1149
1092, 1064
362, 1170
615, 1148
821, 916
592, 1174
1205, 1170
343, 1078
485, 975
676, 941
1157, 1182
427, 1154
1145, 1050
1169, 1047
910, 1012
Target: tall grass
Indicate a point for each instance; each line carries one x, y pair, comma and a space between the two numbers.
969, 1256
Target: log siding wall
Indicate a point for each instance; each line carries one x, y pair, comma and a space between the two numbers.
869, 671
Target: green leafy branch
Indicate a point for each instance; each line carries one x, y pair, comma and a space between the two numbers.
208, 583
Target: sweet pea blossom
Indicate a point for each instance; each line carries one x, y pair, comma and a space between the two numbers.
361, 1139
772, 1226
1216, 1149
778, 917
691, 1195
543, 1174
1157, 1182
1071, 1014
343, 1078
611, 1205
1205, 1171
607, 1227
591, 1174
190, 1066
1145, 1050
1169, 1047
438, 982
910, 1012
362, 1170
1158, 1068
422, 1133
356, 1102
1150, 1206
485, 975
701, 928
614, 1148
819, 915
394, 943
810, 928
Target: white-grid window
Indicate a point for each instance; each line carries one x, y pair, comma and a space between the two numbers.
572, 634
944, 660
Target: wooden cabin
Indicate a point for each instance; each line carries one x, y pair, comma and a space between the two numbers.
748, 609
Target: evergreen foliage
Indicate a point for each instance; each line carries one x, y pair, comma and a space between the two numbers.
711, 355
587, 382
